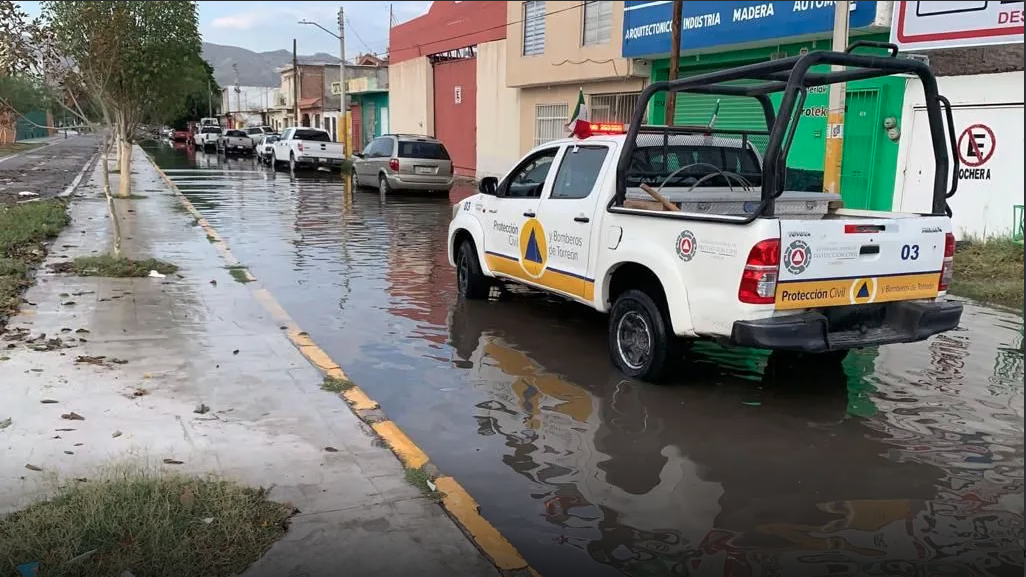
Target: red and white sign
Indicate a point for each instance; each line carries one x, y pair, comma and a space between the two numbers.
951, 24
976, 145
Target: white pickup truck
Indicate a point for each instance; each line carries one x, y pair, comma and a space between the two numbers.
682, 233
307, 147
207, 138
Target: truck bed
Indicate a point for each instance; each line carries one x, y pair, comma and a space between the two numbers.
792, 205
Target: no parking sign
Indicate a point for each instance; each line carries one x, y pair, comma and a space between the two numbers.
976, 145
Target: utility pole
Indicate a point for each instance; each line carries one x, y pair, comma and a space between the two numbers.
343, 109
346, 136
295, 83
835, 111
671, 97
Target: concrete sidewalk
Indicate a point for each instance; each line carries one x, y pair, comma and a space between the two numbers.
195, 338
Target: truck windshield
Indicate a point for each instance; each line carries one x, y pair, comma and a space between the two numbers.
313, 135
690, 164
210, 130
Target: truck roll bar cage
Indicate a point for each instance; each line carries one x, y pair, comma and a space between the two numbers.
793, 77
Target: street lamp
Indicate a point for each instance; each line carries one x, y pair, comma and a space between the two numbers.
342, 62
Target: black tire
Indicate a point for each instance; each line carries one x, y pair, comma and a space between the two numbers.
292, 162
471, 283
383, 186
275, 162
356, 180
635, 311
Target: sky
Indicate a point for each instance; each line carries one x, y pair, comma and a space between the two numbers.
265, 26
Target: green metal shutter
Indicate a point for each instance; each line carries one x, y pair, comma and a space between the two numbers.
735, 113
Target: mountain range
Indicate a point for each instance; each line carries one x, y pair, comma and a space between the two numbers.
254, 68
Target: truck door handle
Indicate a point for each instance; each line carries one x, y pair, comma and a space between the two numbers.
529, 214
581, 219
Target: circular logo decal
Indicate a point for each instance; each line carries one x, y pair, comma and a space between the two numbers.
533, 252
863, 291
686, 245
797, 257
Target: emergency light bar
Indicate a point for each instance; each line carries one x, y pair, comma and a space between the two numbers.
607, 127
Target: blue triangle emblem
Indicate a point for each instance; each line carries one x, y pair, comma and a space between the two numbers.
533, 254
863, 291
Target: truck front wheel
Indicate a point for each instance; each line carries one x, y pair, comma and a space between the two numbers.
639, 338
472, 283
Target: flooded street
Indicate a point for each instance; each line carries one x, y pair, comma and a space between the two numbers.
907, 462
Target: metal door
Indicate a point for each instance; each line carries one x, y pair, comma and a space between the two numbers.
456, 111
862, 128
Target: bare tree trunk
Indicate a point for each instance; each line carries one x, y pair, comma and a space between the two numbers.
125, 181
108, 144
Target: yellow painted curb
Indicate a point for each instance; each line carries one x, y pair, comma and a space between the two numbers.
408, 452
457, 501
462, 506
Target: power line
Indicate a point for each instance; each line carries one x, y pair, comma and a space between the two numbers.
490, 28
357, 34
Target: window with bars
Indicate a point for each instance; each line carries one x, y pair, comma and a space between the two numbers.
534, 28
613, 107
598, 22
550, 122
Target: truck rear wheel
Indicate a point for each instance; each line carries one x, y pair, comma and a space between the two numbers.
639, 337
471, 282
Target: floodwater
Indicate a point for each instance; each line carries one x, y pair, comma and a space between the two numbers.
909, 461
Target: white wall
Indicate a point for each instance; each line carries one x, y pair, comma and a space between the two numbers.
411, 97
982, 206
498, 110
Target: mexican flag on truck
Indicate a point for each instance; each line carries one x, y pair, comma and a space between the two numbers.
579, 124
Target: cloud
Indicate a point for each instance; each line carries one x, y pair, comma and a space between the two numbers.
240, 21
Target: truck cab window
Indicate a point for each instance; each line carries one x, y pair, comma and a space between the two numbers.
578, 171
528, 179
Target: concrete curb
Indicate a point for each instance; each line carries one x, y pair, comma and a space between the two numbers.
457, 502
70, 189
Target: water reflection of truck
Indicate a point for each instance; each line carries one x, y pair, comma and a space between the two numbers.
648, 480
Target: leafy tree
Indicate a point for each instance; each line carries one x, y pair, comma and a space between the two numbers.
203, 94
129, 58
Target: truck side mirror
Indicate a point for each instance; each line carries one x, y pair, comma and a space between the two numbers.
488, 185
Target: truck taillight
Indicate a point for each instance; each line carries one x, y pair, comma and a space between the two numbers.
299, 146
393, 163
947, 271
759, 278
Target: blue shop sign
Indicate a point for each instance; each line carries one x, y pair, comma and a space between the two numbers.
646, 25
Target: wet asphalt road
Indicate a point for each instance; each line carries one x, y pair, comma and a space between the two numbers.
46, 170
909, 461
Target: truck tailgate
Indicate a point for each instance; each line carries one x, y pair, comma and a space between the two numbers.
321, 149
846, 261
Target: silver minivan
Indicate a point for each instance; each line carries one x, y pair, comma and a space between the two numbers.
403, 162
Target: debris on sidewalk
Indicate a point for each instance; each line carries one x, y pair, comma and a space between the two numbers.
201, 409
155, 274
27, 194
72, 416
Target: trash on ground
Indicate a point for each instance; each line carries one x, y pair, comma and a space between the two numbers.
172, 462
155, 274
27, 193
5, 423
72, 416
115, 434
201, 409
32, 467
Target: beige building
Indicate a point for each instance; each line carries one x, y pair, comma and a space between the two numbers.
556, 49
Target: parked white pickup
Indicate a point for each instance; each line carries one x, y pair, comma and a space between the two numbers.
307, 147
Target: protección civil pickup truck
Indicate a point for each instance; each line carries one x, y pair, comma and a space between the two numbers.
691, 232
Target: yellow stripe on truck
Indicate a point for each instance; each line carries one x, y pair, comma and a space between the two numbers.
856, 291
549, 278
